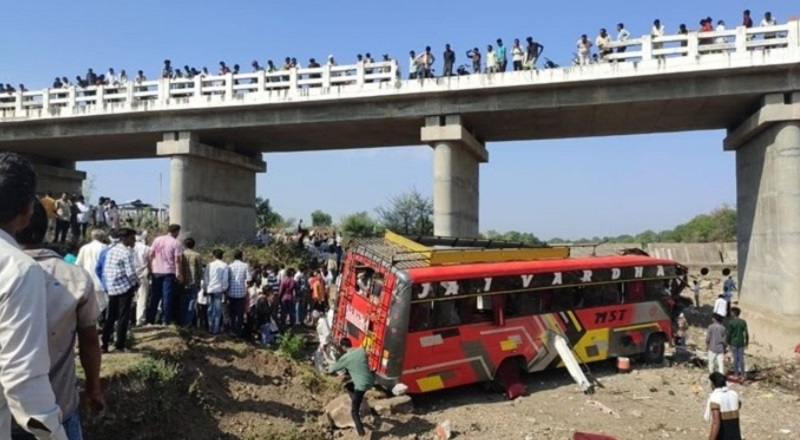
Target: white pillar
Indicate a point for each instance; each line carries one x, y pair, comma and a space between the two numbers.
768, 221
455, 191
212, 191
457, 156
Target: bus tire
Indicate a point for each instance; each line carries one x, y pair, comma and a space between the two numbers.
654, 350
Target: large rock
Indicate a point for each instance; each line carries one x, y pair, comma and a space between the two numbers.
392, 406
338, 411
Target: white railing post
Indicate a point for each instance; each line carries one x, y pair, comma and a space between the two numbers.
793, 38
361, 74
647, 48
326, 76
198, 86
229, 85
18, 103
741, 39
293, 81
45, 101
395, 71
129, 98
261, 81
99, 97
163, 90
71, 97
694, 45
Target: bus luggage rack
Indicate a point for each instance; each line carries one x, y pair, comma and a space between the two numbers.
405, 252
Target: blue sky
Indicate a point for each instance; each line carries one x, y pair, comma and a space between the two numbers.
578, 187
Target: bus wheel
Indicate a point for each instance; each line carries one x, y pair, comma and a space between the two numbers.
654, 350
509, 379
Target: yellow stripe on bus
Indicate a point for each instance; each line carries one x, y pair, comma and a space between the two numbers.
575, 321
508, 345
430, 383
634, 327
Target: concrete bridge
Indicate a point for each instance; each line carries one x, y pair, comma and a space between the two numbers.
215, 128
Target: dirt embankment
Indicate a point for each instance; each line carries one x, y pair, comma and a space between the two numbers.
185, 385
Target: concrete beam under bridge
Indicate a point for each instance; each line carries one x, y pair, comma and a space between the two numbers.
57, 176
456, 159
213, 191
768, 211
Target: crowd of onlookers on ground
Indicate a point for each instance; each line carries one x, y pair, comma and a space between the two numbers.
118, 279
421, 65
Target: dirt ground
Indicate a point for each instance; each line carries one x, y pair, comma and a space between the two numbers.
188, 385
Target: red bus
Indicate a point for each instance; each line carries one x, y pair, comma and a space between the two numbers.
434, 318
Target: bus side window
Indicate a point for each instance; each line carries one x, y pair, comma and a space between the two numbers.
420, 317
635, 292
445, 314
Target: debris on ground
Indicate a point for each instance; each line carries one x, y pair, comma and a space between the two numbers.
392, 406
338, 412
603, 408
443, 431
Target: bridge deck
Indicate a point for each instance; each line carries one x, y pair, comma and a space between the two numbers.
665, 84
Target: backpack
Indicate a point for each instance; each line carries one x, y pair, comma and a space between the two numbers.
303, 288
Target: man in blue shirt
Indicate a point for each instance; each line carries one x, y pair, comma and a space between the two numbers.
502, 61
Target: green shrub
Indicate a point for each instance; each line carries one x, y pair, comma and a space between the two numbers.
292, 345
155, 372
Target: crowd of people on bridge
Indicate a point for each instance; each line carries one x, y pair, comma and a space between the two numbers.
522, 55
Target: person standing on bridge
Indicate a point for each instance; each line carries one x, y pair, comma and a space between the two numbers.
658, 31
475, 56
584, 50
502, 60
769, 20
449, 58
532, 54
491, 60
603, 42
166, 254
517, 55
747, 21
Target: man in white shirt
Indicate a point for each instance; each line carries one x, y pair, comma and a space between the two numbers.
84, 213
603, 43
141, 263
216, 281
622, 36
721, 306
769, 20
658, 31
71, 311
239, 277
87, 259
25, 389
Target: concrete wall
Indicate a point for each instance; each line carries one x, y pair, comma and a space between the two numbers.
768, 205
691, 254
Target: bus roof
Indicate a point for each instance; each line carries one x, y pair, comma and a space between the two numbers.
478, 270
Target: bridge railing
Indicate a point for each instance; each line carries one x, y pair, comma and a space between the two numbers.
645, 54
696, 44
285, 83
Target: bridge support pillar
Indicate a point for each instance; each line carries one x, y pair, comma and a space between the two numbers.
767, 149
58, 176
457, 156
213, 191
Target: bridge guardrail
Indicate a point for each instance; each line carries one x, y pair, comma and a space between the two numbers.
361, 79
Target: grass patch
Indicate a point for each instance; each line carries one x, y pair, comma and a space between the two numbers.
240, 348
318, 383
309, 430
292, 345
155, 372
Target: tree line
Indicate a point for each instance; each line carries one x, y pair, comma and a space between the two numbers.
412, 213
